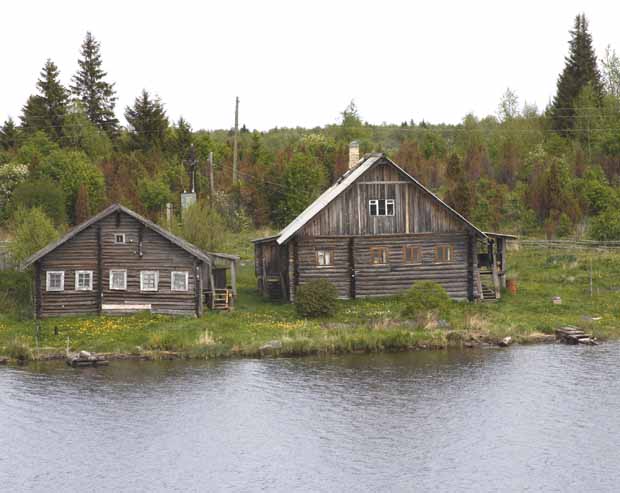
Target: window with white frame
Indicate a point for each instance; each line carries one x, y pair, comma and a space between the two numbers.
381, 207
179, 281
118, 279
83, 280
119, 238
324, 258
55, 280
149, 280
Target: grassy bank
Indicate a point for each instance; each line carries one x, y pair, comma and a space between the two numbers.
360, 325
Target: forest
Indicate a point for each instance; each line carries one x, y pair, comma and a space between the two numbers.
549, 172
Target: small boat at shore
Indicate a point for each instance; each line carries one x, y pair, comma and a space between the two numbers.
85, 358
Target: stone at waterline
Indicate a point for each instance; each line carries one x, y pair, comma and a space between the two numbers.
505, 342
270, 346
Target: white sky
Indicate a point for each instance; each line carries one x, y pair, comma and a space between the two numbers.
296, 63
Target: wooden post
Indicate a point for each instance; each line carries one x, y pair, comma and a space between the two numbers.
233, 277
211, 180
212, 282
37, 290
198, 288
292, 257
352, 292
236, 144
471, 251
494, 273
99, 271
501, 245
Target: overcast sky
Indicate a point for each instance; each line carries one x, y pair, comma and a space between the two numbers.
295, 63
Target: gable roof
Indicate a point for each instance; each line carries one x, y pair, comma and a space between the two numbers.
188, 247
347, 180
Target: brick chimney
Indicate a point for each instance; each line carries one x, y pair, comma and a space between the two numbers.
354, 153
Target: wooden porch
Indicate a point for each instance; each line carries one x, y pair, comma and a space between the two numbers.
220, 290
492, 267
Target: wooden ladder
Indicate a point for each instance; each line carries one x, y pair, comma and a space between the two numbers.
221, 299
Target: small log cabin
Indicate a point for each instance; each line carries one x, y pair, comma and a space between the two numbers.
375, 232
119, 262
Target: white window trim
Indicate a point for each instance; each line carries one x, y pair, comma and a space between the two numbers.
172, 274
90, 280
142, 273
375, 202
120, 242
62, 280
124, 288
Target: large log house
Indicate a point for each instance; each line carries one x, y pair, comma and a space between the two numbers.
375, 232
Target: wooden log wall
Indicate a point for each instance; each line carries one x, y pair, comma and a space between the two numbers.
415, 210
338, 274
396, 275
81, 253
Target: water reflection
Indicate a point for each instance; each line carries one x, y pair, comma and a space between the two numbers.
540, 418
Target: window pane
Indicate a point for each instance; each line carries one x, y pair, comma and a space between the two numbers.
179, 281
381, 207
118, 280
390, 207
373, 207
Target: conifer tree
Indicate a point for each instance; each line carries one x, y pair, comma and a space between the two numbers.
9, 135
90, 88
46, 111
183, 138
579, 71
147, 122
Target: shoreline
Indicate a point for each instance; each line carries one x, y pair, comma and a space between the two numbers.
279, 349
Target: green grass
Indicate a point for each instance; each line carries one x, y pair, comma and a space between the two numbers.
359, 325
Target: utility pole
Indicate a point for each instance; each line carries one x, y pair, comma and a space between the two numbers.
236, 144
211, 183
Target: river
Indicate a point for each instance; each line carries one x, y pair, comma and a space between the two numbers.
535, 418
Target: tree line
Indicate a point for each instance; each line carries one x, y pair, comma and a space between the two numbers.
553, 172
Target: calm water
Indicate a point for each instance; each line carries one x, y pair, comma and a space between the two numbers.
541, 418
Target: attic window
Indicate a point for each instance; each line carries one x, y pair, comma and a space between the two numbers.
119, 238
381, 207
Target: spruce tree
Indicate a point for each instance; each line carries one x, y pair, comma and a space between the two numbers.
147, 122
579, 71
9, 135
46, 111
183, 138
90, 88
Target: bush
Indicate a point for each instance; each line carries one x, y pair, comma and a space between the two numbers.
45, 194
16, 293
425, 298
32, 230
19, 350
316, 299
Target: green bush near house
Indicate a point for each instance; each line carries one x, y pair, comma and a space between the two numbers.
423, 298
16, 293
316, 299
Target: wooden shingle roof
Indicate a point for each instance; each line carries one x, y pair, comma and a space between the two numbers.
344, 182
181, 243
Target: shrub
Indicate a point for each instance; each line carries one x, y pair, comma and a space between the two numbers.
16, 293
425, 298
32, 230
18, 349
45, 194
316, 299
